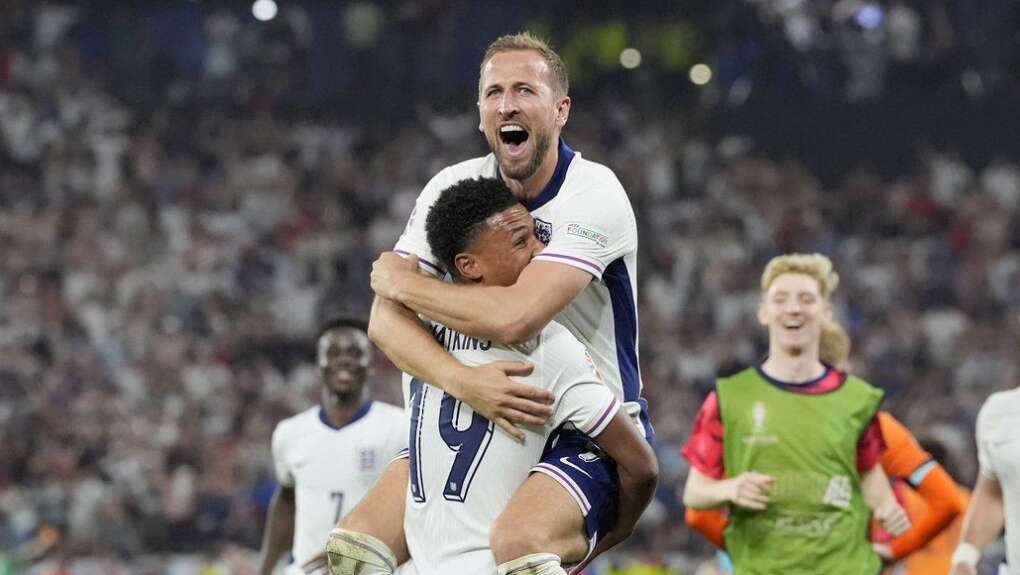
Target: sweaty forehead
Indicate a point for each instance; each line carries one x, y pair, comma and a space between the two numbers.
509, 218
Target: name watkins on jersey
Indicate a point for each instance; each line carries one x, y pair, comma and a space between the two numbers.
456, 341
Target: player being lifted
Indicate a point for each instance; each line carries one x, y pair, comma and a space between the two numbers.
463, 473
585, 277
327, 456
792, 445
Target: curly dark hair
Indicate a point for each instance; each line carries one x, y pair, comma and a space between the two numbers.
460, 212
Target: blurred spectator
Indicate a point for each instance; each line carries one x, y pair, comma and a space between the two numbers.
178, 210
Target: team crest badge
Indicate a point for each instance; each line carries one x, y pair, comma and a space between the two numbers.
366, 460
543, 231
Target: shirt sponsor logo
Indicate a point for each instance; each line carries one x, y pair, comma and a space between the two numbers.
577, 230
543, 231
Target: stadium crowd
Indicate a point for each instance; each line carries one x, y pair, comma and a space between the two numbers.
165, 265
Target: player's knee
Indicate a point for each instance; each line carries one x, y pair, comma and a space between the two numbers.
534, 564
354, 553
509, 542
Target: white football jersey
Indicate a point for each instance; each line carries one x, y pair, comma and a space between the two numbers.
586, 221
331, 468
998, 443
464, 470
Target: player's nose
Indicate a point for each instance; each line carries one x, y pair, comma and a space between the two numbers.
507, 105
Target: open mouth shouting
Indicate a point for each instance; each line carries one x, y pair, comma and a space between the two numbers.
515, 139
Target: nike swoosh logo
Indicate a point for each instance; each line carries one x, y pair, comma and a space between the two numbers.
565, 462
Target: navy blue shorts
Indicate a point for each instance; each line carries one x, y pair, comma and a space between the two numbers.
574, 461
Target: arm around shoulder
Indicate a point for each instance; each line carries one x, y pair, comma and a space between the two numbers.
542, 291
507, 315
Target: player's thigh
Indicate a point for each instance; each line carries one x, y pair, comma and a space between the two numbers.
540, 518
380, 513
567, 504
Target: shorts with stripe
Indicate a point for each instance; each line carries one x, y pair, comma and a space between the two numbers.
587, 474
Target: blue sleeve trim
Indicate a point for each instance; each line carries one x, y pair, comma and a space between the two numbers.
921, 472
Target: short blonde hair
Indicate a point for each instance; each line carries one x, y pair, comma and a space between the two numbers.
526, 41
816, 266
834, 345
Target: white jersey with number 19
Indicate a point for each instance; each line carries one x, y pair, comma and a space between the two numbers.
331, 469
586, 221
464, 470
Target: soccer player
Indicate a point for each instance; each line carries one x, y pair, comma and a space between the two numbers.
792, 445
463, 473
585, 277
327, 456
924, 486
995, 501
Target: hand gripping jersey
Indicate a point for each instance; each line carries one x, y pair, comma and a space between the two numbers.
331, 468
586, 221
464, 470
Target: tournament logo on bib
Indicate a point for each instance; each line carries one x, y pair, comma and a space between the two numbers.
758, 414
543, 231
759, 434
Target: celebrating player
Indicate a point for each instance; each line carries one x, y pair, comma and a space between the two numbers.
585, 277
327, 456
918, 476
792, 445
463, 474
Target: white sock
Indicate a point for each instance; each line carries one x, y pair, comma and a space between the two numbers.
534, 564
354, 553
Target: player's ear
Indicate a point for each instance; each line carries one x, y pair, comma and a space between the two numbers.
763, 317
468, 266
562, 111
827, 311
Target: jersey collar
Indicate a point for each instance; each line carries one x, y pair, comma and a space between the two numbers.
830, 380
361, 412
565, 155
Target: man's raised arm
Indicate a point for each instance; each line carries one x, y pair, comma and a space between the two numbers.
504, 314
487, 388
